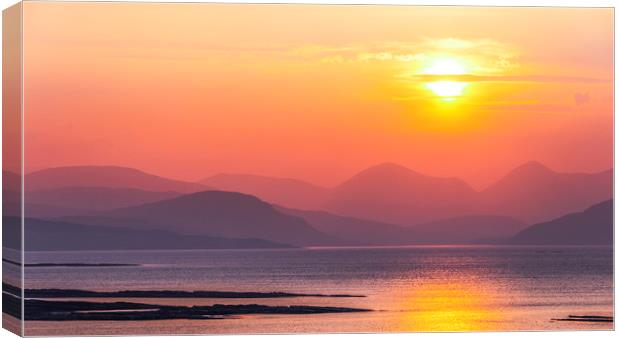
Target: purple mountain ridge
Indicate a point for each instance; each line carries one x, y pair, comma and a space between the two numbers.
535, 193
105, 176
395, 194
592, 226
457, 230
387, 204
56, 235
95, 198
282, 191
221, 214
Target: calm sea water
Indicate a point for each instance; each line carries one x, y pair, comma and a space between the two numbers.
409, 288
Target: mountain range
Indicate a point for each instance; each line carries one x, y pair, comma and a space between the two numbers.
456, 230
47, 235
395, 194
215, 213
387, 204
592, 226
282, 191
95, 198
535, 193
106, 177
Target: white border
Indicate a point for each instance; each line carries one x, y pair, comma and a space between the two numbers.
506, 3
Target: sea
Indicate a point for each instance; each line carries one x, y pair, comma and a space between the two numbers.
408, 289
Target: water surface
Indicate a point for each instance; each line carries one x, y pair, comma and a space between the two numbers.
422, 288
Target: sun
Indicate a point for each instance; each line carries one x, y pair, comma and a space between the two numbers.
445, 67
445, 88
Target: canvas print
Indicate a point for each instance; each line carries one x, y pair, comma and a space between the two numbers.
196, 168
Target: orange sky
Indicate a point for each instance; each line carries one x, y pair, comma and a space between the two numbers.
316, 92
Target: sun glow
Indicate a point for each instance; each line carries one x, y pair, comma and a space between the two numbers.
445, 67
447, 89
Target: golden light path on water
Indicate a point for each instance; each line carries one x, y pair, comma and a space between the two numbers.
430, 289
451, 304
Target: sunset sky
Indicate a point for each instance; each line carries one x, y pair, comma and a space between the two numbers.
317, 92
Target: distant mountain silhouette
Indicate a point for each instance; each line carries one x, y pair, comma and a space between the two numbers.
534, 193
55, 235
11, 231
356, 231
395, 194
96, 220
11, 196
531, 192
467, 229
386, 204
593, 226
222, 214
456, 230
92, 198
46, 211
11, 206
105, 176
11, 181
287, 192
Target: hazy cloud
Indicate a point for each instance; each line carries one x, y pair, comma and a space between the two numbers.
484, 56
511, 78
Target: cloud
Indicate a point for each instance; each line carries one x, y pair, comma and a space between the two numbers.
389, 56
485, 60
483, 56
510, 78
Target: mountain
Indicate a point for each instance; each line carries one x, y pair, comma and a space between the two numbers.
11, 232
376, 206
467, 229
287, 192
44, 235
107, 177
92, 198
395, 194
593, 226
222, 214
11, 181
535, 193
11, 196
456, 230
356, 231
46, 211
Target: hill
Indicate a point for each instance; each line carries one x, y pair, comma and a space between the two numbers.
395, 194
467, 229
43, 235
287, 192
455, 230
593, 226
94, 198
222, 214
535, 193
107, 177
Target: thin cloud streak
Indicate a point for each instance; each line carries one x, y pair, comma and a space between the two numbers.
507, 78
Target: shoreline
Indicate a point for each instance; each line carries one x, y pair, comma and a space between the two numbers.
336, 247
74, 293
46, 310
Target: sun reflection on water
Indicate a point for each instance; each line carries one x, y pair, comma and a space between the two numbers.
452, 305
